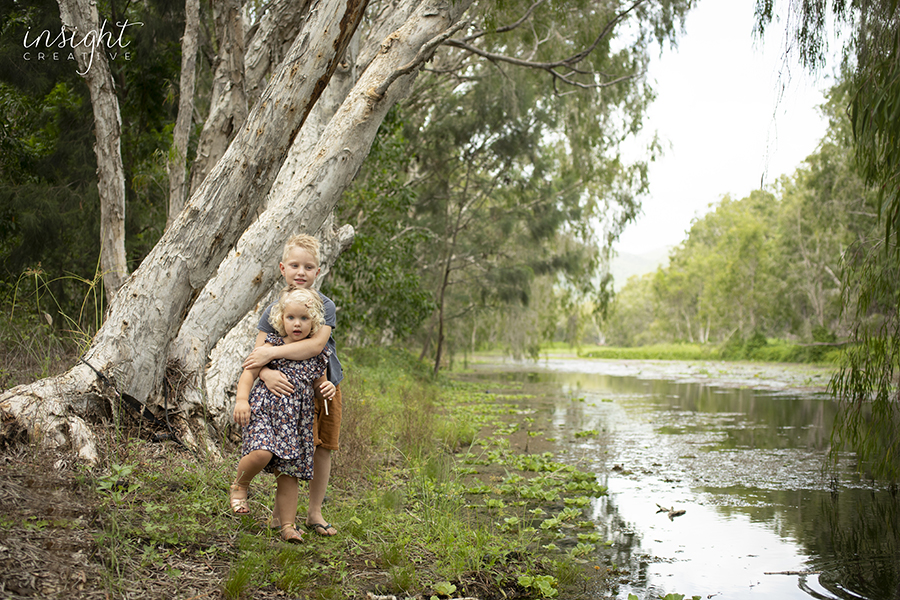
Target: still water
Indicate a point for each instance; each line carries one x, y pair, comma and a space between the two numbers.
762, 518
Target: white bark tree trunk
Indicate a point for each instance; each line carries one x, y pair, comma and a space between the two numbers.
228, 103
130, 349
177, 163
269, 41
81, 17
303, 203
217, 382
356, 60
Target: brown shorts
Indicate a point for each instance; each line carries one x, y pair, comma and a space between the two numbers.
327, 428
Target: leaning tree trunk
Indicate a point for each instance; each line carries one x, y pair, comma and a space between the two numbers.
268, 42
130, 348
188, 376
238, 79
81, 16
248, 273
356, 60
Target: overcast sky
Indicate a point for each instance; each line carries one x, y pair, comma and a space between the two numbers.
721, 114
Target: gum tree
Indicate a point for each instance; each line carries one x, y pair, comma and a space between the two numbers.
217, 258
80, 19
130, 348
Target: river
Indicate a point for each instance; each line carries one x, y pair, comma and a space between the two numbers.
741, 451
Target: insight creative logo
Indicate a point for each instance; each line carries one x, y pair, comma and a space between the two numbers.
69, 42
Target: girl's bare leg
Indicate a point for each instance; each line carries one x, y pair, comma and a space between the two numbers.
248, 468
285, 510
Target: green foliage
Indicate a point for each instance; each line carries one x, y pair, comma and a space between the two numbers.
654, 351
49, 207
376, 278
503, 170
866, 385
765, 266
37, 338
774, 350
632, 318
545, 585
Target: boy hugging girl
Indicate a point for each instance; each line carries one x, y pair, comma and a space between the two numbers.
293, 406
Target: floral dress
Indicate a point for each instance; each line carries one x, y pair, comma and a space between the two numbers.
283, 426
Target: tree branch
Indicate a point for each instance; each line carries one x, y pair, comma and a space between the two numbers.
425, 53
509, 27
551, 67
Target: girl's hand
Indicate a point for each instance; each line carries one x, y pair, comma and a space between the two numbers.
276, 381
327, 390
242, 413
260, 357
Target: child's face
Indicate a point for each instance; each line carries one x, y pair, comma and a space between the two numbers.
296, 321
300, 269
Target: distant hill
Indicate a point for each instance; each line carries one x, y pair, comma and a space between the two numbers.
625, 265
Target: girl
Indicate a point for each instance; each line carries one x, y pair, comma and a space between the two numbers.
277, 430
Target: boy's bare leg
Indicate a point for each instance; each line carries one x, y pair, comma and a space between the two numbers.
286, 495
317, 488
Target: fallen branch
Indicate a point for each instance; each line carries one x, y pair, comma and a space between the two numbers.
792, 572
671, 511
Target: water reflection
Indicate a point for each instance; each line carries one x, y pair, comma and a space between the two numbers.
763, 517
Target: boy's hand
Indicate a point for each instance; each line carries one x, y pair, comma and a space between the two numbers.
259, 358
276, 381
327, 390
242, 413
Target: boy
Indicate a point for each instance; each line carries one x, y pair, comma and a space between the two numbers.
300, 267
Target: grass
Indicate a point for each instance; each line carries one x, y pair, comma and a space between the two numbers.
154, 518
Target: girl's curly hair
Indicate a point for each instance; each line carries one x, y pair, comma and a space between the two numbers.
292, 295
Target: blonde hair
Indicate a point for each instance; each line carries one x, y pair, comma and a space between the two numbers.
293, 295
302, 240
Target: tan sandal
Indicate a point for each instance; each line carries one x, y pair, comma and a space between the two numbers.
239, 506
290, 534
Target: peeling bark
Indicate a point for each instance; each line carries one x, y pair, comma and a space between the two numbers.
269, 41
131, 347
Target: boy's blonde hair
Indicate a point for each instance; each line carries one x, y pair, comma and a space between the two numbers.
293, 295
302, 240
